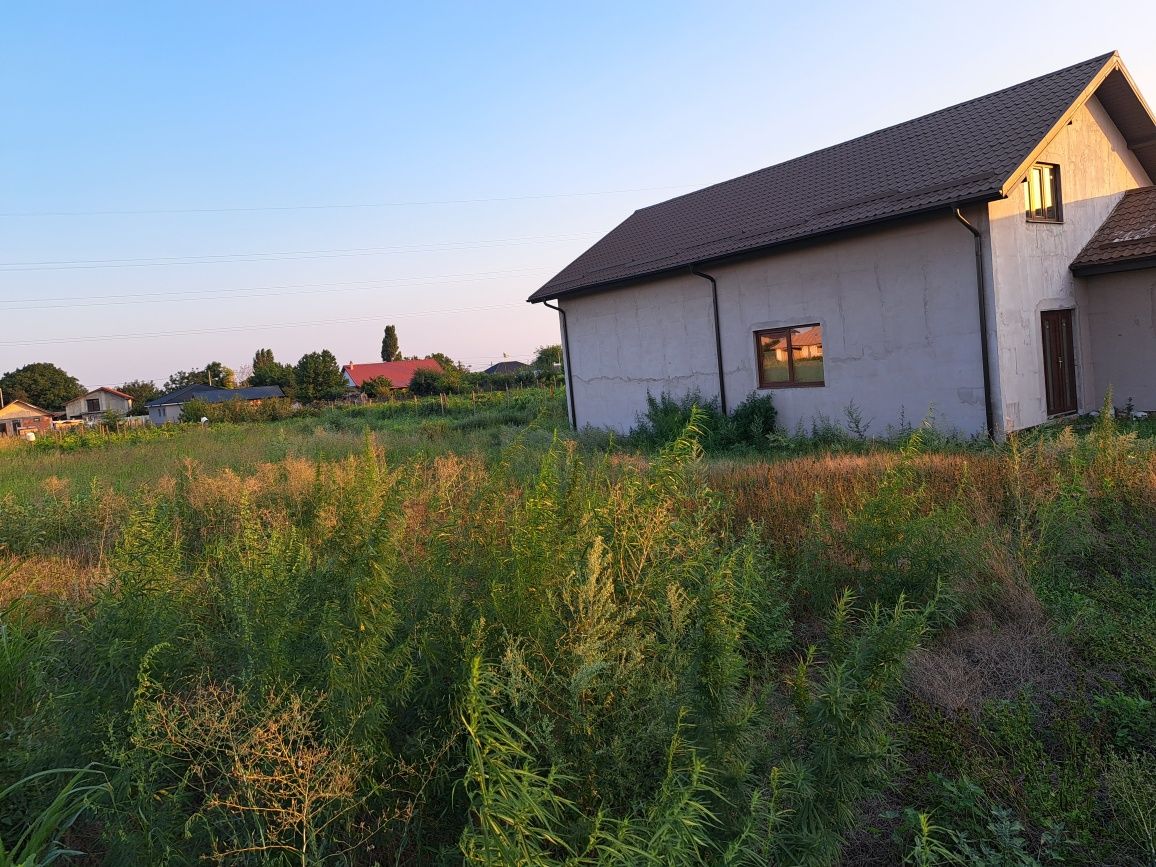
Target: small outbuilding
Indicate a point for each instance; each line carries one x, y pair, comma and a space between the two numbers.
20, 417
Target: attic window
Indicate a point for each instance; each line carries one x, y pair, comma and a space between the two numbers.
790, 356
1042, 194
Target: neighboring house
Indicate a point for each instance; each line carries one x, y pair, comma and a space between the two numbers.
399, 373
97, 402
971, 262
168, 407
20, 416
507, 367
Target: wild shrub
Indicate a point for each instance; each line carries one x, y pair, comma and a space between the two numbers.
1131, 784
666, 417
752, 422
979, 832
842, 696
750, 425
1087, 541
895, 540
251, 775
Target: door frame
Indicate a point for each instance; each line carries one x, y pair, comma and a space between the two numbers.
1066, 360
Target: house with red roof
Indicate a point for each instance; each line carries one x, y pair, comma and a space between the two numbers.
97, 402
399, 373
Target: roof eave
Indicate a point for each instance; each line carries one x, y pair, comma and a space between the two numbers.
1113, 267
805, 241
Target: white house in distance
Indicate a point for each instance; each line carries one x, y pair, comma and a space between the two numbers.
994, 261
97, 402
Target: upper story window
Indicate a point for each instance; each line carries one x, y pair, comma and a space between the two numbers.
1042, 194
790, 356
93, 404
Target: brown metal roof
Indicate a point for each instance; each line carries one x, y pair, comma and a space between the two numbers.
1126, 240
969, 152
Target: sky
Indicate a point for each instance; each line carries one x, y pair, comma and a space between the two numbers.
189, 182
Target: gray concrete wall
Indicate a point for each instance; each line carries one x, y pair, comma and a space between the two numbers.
900, 331
1121, 317
654, 337
1030, 263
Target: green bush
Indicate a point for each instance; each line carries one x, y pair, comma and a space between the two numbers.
750, 425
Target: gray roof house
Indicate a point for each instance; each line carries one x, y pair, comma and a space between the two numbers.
167, 408
945, 264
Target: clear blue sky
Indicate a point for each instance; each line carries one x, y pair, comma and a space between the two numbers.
240, 118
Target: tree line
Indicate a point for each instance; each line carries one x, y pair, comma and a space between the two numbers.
316, 376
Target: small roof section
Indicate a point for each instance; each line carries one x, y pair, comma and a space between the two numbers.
107, 390
216, 394
399, 373
507, 367
972, 152
1127, 239
22, 409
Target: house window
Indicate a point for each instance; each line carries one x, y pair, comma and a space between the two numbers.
790, 356
93, 404
1042, 194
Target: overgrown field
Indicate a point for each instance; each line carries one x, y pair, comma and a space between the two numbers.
447, 633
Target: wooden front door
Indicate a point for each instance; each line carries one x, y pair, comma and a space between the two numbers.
1059, 361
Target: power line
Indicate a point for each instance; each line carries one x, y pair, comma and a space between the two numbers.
94, 338
352, 206
225, 294
230, 258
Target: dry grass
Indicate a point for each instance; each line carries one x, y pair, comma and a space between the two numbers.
255, 763
783, 495
984, 658
55, 578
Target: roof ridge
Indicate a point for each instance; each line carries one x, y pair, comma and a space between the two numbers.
1100, 59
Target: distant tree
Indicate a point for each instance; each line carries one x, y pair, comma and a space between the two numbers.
220, 376
427, 382
379, 386
243, 373
447, 363
390, 351
213, 373
262, 357
141, 391
548, 358
319, 377
42, 384
184, 377
273, 373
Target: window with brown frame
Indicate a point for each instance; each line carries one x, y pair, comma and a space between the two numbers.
1042, 201
93, 404
790, 357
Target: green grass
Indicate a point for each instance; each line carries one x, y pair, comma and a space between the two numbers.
444, 631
